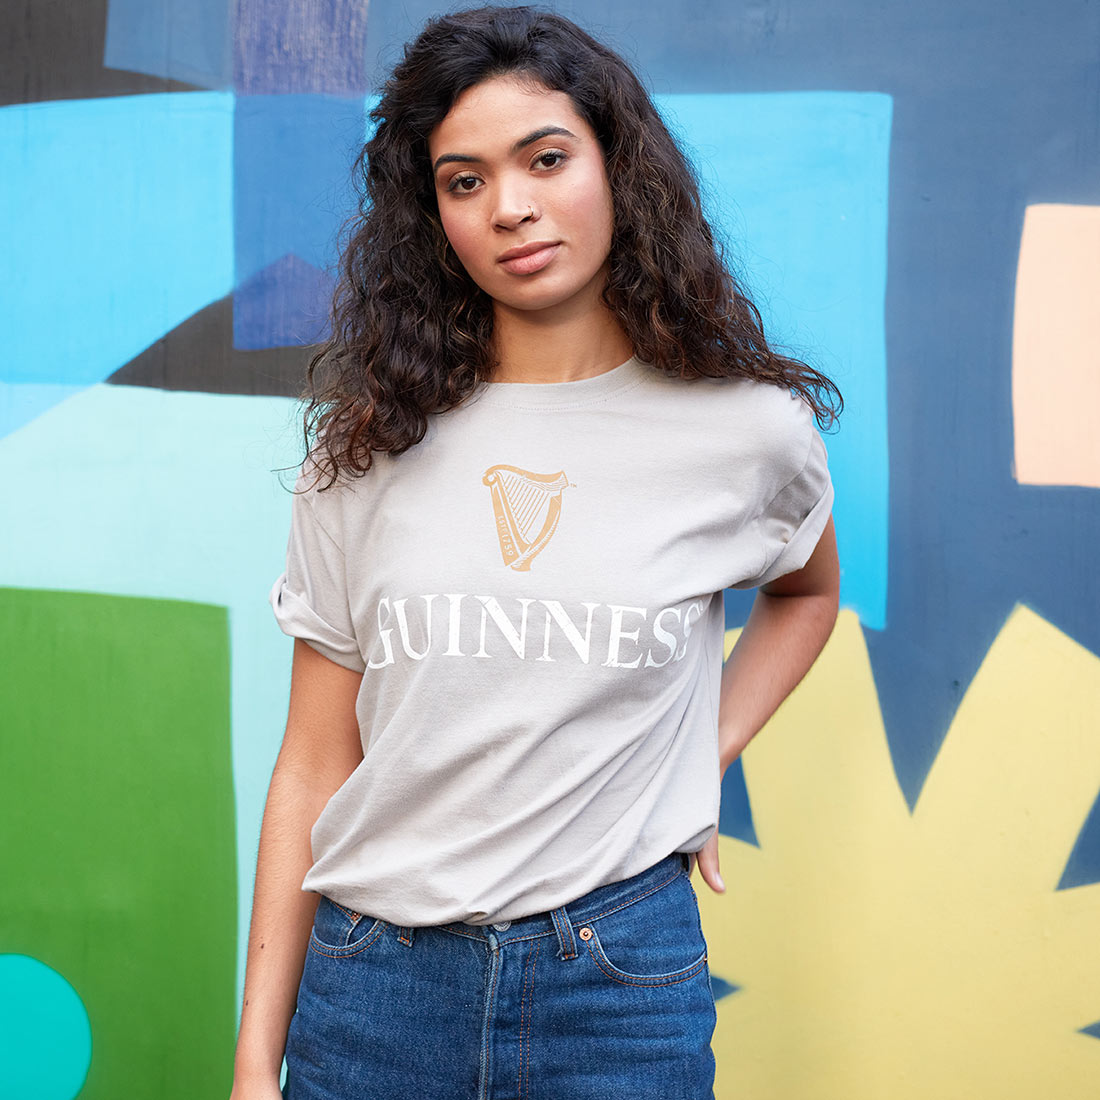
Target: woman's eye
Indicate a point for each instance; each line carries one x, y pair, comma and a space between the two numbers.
463, 184
550, 159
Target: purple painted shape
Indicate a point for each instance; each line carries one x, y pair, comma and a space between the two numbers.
302, 46
284, 305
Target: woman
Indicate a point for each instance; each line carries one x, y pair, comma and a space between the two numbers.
546, 434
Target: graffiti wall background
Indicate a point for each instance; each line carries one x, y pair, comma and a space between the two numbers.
912, 193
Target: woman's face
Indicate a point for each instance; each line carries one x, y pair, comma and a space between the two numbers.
523, 196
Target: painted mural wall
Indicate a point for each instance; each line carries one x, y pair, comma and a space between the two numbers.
912, 192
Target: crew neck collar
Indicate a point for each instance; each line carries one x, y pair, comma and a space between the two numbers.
564, 395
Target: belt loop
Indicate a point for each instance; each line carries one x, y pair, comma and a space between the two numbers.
567, 945
405, 936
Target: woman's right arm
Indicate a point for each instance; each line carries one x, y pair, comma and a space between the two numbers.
321, 748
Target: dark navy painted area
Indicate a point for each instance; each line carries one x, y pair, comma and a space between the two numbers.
721, 988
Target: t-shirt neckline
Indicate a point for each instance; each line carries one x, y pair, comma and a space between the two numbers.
562, 395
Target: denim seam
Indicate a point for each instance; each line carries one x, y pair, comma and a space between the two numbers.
525, 1043
595, 949
585, 920
340, 953
486, 1033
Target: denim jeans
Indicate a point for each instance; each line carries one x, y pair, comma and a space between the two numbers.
606, 998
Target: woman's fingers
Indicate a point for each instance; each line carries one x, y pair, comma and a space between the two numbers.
707, 862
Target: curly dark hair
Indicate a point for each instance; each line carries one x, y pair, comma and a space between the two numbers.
412, 333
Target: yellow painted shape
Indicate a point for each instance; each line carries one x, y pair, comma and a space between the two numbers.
1056, 348
883, 955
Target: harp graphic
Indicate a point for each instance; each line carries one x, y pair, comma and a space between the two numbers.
527, 507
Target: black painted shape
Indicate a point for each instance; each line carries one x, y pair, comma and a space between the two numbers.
53, 49
198, 355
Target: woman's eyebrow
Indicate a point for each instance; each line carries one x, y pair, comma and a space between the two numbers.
529, 139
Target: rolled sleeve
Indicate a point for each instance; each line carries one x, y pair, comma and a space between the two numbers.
791, 525
310, 598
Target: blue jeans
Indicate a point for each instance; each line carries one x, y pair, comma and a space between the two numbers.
606, 998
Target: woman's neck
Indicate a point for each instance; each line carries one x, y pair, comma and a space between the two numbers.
536, 348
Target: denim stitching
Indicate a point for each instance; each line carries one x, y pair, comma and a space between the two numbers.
487, 1063
525, 1045
324, 949
595, 949
586, 920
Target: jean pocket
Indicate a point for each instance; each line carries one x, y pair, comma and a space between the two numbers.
656, 940
338, 931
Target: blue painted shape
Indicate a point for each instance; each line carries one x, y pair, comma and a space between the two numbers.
293, 188
1092, 1029
285, 304
735, 810
21, 402
721, 988
117, 215
1083, 865
45, 1036
185, 40
313, 47
797, 186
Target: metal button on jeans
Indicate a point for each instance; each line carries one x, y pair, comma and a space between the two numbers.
503, 926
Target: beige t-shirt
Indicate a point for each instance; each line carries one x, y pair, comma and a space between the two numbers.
533, 596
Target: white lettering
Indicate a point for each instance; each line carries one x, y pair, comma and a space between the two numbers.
454, 622
517, 639
689, 622
403, 625
618, 635
555, 611
663, 636
384, 635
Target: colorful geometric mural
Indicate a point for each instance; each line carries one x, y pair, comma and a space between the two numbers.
933, 954
120, 887
910, 193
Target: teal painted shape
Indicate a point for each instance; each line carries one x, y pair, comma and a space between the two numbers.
1092, 1029
797, 185
117, 215
45, 1036
169, 494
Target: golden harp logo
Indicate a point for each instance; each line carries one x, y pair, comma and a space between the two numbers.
527, 507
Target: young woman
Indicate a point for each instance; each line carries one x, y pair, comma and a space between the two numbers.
546, 434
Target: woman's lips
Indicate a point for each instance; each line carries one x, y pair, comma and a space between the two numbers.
530, 262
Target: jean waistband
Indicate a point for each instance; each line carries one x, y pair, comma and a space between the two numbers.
560, 922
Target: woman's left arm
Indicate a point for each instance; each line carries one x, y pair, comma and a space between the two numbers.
791, 621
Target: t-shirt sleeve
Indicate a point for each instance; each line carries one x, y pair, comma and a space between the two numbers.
792, 522
310, 599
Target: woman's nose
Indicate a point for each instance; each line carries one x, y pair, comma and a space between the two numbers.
514, 207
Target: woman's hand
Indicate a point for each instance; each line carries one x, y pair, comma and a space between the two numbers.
707, 861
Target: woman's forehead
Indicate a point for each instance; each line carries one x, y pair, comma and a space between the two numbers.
497, 112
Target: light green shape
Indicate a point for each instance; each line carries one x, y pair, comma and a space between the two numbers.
116, 805
45, 1037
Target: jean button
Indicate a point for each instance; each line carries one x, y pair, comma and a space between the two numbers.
503, 926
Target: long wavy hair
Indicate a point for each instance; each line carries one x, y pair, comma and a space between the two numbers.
412, 333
